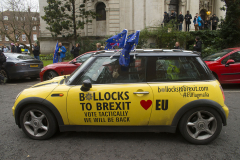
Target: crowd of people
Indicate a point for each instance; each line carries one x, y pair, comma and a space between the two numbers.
199, 23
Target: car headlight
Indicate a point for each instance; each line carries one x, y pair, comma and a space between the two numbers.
18, 95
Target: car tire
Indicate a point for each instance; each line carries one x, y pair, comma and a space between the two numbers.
38, 122
201, 125
50, 75
4, 74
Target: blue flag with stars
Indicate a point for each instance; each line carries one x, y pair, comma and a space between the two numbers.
110, 46
132, 41
55, 58
119, 38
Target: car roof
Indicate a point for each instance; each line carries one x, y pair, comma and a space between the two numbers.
150, 52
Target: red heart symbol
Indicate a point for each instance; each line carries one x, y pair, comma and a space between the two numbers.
146, 104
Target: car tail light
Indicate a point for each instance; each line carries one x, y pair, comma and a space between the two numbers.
222, 92
20, 64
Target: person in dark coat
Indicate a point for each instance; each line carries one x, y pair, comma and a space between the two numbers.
2, 60
180, 21
215, 21
188, 18
36, 51
17, 48
198, 46
173, 15
12, 47
177, 46
76, 50
207, 24
166, 18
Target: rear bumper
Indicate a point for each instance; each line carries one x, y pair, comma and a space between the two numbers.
24, 74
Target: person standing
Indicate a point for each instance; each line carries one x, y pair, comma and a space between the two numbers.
215, 21
36, 51
207, 24
98, 45
200, 22
172, 16
17, 48
166, 18
76, 50
198, 46
180, 21
62, 52
12, 47
5, 49
195, 21
188, 18
2, 60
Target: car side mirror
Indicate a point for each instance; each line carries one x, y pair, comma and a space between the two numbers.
230, 61
86, 86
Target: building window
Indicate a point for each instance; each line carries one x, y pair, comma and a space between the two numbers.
22, 18
6, 38
16, 18
24, 37
34, 28
5, 18
17, 37
6, 27
0, 38
34, 18
34, 37
39, 28
101, 13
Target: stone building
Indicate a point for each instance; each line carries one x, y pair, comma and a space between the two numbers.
133, 15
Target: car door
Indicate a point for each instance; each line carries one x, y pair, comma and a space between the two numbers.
174, 81
119, 95
231, 73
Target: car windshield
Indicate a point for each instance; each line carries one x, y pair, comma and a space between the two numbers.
217, 55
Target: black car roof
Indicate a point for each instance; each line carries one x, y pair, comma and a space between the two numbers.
152, 53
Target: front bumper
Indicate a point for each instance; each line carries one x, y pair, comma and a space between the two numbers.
226, 110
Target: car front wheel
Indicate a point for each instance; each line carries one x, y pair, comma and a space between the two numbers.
50, 75
38, 122
201, 125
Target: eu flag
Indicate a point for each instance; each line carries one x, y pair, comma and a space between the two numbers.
132, 41
55, 58
110, 46
119, 38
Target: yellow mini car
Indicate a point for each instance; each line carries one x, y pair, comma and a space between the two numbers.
159, 91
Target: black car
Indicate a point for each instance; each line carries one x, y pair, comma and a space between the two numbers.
20, 66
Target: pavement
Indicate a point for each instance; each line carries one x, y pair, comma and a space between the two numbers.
14, 144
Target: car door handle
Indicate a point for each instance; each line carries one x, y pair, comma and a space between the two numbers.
141, 92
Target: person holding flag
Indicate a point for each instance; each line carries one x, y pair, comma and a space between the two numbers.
55, 57
62, 52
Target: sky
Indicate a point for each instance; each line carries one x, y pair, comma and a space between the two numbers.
5, 3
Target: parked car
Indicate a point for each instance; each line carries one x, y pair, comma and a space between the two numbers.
63, 68
20, 66
160, 91
225, 65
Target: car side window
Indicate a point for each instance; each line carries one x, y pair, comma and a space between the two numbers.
164, 69
106, 71
224, 61
235, 56
83, 58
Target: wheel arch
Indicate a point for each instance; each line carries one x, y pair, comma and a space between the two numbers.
199, 103
35, 100
49, 70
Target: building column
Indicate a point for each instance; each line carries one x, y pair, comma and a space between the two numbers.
193, 9
182, 8
107, 20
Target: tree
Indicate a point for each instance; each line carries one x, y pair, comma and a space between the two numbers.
66, 17
230, 28
21, 20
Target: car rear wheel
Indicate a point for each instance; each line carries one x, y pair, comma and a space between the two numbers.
201, 125
50, 75
38, 122
3, 73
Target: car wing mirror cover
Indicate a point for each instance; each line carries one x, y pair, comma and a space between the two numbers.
230, 61
87, 85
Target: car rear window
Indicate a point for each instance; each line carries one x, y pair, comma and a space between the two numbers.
162, 69
25, 57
